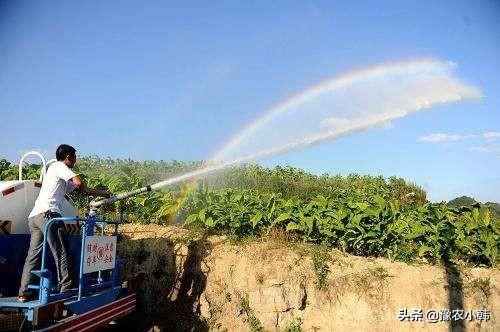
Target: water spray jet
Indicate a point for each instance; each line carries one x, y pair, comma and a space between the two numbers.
413, 86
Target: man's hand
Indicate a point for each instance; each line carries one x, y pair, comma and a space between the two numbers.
97, 192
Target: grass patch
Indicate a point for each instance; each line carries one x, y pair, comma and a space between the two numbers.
483, 285
372, 281
252, 320
480, 288
242, 240
320, 258
295, 326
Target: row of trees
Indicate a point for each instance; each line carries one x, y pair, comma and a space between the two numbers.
361, 214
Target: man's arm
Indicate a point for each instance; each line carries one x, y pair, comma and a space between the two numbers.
88, 191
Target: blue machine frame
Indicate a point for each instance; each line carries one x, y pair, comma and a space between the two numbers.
95, 290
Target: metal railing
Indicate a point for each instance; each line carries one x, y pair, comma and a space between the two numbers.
87, 229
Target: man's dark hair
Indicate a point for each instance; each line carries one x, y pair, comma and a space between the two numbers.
63, 151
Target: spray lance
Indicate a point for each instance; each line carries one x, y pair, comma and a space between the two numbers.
94, 205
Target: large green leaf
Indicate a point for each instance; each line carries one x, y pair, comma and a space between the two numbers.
292, 226
283, 217
256, 219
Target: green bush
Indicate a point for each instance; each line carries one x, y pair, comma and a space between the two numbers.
363, 215
375, 227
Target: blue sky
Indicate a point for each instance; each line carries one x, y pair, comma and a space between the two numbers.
164, 80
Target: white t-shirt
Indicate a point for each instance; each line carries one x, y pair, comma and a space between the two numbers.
54, 186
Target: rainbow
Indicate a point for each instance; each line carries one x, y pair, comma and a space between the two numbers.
418, 67
425, 64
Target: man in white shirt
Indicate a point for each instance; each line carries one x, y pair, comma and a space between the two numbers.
57, 181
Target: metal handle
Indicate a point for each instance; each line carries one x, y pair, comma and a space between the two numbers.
36, 153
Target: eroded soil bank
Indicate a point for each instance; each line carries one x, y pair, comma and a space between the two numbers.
197, 284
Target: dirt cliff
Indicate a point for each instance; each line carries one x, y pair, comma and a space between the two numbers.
193, 283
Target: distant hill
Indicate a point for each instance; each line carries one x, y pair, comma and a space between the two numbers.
468, 201
462, 201
495, 207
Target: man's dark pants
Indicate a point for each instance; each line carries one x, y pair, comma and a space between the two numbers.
57, 240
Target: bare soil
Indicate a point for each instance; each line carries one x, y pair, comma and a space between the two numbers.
195, 283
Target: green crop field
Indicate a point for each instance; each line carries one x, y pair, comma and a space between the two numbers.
362, 215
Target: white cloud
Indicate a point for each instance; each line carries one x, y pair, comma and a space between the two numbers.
484, 140
491, 135
485, 149
440, 137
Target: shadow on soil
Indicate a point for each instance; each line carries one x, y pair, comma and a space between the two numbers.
455, 291
168, 297
170, 289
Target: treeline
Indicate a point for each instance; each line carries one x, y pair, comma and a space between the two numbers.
363, 215
118, 175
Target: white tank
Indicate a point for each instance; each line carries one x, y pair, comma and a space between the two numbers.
17, 199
